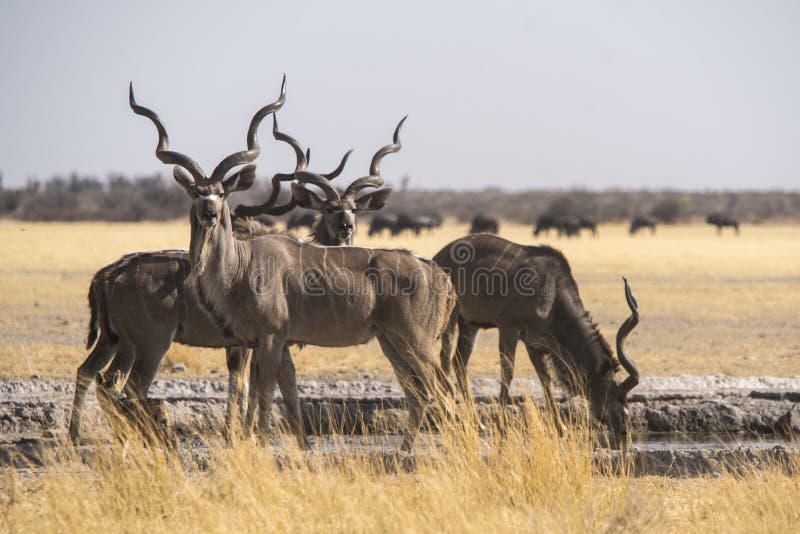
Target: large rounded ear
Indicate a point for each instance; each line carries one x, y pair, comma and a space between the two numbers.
373, 201
183, 179
240, 180
306, 198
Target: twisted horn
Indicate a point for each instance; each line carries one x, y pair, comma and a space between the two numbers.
268, 206
162, 149
338, 170
374, 179
307, 177
253, 149
630, 323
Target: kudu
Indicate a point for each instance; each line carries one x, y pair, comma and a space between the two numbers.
143, 302
529, 294
277, 290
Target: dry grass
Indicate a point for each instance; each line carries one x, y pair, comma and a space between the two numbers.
529, 480
709, 305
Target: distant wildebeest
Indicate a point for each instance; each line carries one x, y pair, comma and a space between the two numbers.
408, 320
483, 224
566, 225
299, 219
586, 223
383, 221
721, 221
641, 221
529, 293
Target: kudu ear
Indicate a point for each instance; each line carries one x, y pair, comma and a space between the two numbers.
183, 179
240, 180
306, 198
373, 201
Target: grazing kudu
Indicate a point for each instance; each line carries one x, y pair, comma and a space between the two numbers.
277, 290
640, 222
143, 302
529, 293
484, 224
722, 221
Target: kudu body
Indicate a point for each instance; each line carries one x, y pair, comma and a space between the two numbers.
529, 294
258, 290
143, 302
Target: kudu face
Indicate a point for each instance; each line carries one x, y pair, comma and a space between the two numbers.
209, 200
338, 210
338, 214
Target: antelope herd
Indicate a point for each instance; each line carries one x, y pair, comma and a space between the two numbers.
243, 286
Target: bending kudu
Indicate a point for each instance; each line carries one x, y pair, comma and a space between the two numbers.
258, 290
529, 293
144, 301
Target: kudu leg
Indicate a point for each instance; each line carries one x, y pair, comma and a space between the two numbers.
287, 381
269, 355
508, 349
464, 347
416, 397
537, 359
100, 356
236, 361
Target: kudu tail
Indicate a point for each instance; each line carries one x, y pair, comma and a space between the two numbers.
98, 312
95, 294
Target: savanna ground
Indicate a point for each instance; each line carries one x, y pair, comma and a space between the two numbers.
709, 305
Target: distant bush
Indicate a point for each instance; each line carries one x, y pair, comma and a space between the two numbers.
120, 198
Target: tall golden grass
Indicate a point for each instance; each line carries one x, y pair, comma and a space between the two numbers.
524, 477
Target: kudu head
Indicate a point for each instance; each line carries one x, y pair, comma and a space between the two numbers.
337, 220
209, 194
607, 397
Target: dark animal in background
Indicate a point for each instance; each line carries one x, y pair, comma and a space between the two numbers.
586, 223
721, 221
383, 221
568, 225
640, 221
299, 219
482, 224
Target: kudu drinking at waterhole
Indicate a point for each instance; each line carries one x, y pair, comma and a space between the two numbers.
529, 293
276, 290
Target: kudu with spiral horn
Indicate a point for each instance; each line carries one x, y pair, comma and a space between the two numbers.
144, 302
336, 222
533, 297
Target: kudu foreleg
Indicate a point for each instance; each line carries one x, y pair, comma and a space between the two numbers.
508, 349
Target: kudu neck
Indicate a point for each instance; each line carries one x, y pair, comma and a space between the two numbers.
214, 252
582, 345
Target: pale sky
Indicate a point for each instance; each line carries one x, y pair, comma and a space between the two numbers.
684, 94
